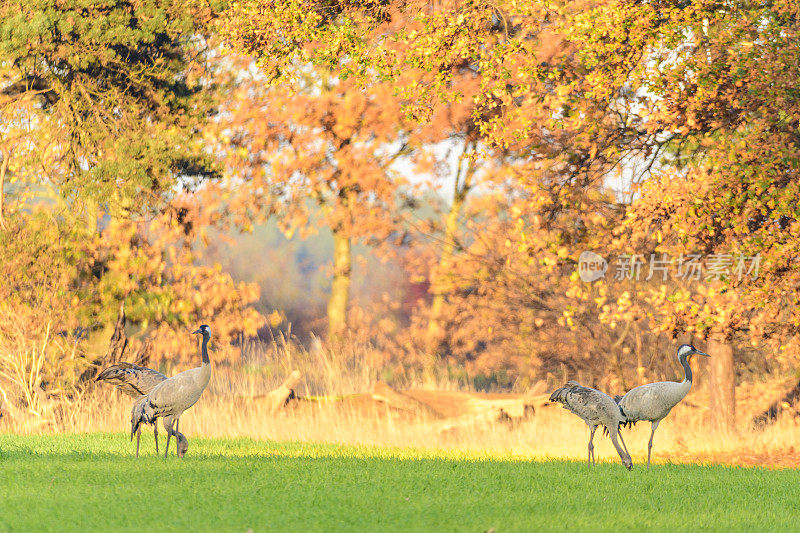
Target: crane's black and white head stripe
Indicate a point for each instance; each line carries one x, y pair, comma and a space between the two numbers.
204, 329
685, 350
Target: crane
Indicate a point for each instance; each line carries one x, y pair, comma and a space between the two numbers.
170, 398
137, 381
654, 401
596, 409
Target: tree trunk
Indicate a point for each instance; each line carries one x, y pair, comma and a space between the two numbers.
722, 384
3, 169
640, 370
461, 189
340, 288
615, 349
435, 330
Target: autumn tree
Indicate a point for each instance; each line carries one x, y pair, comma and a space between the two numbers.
701, 97
102, 107
462, 185
463, 56
112, 95
717, 89
457, 162
324, 149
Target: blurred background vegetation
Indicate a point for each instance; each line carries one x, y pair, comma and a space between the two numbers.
412, 183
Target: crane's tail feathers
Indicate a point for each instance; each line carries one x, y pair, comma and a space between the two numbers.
557, 395
560, 395
625, 422
110, 373
117, 371
621, 425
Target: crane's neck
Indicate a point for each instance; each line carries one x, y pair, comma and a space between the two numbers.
204, 350
686, 369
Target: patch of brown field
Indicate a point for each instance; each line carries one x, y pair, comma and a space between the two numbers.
453, 404
777, 459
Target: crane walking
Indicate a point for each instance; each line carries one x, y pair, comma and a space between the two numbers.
596, 409
170, 398
654, 401
137, 381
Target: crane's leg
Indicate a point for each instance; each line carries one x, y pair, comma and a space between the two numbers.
177, 441
138, 435
650, 443
169, 434
590, 461
155, 434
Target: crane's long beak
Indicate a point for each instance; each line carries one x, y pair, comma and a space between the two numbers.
196, 332
701, 353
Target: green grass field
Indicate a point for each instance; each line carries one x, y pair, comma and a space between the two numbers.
92, 482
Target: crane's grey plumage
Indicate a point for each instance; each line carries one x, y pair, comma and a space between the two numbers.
596, 409
133, 380
137, 381
654, 401
170, 398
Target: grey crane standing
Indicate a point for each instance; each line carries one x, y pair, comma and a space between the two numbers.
596, 409
170, 398
137, 381
654, 401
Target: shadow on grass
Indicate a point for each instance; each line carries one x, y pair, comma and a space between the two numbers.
119, 446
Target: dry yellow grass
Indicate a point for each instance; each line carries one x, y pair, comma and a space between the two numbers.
231, 408
551, 432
